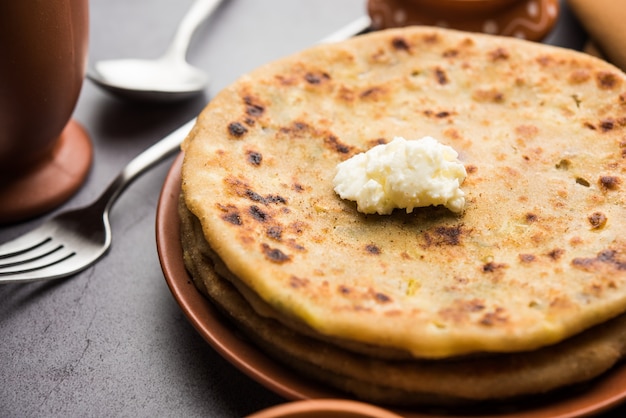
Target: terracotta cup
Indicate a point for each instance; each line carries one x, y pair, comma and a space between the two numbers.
44, 155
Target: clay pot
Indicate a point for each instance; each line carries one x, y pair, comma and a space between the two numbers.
528, 19
43, 158
456, 7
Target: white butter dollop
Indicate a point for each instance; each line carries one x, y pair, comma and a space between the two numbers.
403, 174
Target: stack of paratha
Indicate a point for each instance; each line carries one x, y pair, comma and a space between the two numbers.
522, 293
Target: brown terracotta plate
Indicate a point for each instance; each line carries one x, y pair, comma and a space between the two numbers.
327, 408
603, 394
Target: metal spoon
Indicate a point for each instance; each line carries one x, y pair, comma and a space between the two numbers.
168, 78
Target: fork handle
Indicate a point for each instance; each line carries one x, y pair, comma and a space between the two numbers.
142, 162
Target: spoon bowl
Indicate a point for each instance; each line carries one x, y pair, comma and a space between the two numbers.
168, 78
150, 80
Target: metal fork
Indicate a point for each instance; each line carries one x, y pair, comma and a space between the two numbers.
74, 240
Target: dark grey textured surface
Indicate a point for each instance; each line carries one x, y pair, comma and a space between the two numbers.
112, 341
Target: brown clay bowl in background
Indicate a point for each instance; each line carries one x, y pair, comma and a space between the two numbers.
456, 7
44, 155
528, 19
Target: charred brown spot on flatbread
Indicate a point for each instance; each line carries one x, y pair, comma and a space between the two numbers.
377, 141
231, 214
316, 77
382, 298
335, 144
493, 267
298, 227
609, 183
527, 258
431, 38
497, 316
258, 214
373, 93
275, 232
253, 108
608, 80
498, 54
444, 235
275, 255
579, 75
297, 129
462, 310
362, 296
285, 80
441, 76
294, 245
589, 125
242, 188
450, 53
597, 220
531, 217
556, 253
545, 60
372, 249
298, 282
488, 95
254, 157
439, 114
237, 130
607, 259
347, 95
607, 125
400, 43
237, 186
344, 290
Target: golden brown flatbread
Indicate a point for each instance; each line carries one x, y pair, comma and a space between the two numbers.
457, 382
537, 256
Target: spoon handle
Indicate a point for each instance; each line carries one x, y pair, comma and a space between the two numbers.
356, 27
197, 13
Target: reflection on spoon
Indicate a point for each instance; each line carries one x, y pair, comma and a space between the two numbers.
168, 78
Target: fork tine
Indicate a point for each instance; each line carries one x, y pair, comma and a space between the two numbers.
47, 272
37, 265
15, 253
25, 242
31, 252
36, 260
46, 250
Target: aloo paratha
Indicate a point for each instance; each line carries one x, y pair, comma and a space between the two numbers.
506, 380
537, 256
